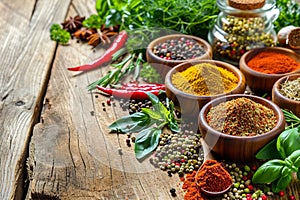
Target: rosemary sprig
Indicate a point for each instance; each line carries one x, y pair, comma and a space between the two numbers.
291, 119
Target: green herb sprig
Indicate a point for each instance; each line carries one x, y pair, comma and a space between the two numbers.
58, 34
284, 153
291, 119
148, 124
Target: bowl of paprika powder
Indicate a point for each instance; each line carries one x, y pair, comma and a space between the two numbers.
262, 67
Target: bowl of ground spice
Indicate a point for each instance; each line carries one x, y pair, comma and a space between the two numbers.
236, 127
262, 67
191, 85
286, 93
168, 51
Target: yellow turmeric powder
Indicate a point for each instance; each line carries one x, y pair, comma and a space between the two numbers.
205, 79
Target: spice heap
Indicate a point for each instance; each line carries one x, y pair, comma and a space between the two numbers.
273, 63
205, 79
179, 152
241, 117
242, 35
179, 49
213, 177
291, 89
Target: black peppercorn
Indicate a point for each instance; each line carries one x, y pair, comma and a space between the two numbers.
173, 192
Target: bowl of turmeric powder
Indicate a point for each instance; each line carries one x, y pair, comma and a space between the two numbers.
262, 67
191, 85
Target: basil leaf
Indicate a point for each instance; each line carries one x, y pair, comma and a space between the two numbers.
132, 123
288, 141
281, 183
172, 123
146, 141
102, 7
268, 172
295, 158
269, 151
157, 105
153, 114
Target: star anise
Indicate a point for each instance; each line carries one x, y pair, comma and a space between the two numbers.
73, 24
102, 36
83, 33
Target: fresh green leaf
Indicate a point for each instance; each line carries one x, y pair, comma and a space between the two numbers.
102, 8
58, 34
281, 183
269, 151
268, 172
153, 114
132, 123
94, 21
295, 158
146, 141
288, 141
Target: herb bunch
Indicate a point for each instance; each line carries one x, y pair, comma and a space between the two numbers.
283, 154
148, 124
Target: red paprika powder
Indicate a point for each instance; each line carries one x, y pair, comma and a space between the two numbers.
273, 63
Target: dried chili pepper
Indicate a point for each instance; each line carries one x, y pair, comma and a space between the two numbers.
128, 94
107, 56
143, 86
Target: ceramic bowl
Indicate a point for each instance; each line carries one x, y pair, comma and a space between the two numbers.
163, 65
283, 101
238, 148
261, 82
190, 104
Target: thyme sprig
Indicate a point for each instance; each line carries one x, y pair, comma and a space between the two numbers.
291, 119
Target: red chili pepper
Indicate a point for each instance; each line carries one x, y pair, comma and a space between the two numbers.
142, 87
121, 93
107, 56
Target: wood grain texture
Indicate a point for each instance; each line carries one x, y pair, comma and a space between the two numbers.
72, 153
26, 56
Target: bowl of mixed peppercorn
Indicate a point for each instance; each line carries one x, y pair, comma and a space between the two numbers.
286, 93
236, 127
168, 51
191, 85
262, 67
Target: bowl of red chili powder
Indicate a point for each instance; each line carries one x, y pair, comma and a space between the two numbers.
236, 127
262, 67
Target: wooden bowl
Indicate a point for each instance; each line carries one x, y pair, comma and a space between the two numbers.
190, 104
261, 82
238, 148
162, 65
283, 101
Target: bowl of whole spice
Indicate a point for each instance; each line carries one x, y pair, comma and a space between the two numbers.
168, 51
262, 67
236, 127
191, 85
286, 93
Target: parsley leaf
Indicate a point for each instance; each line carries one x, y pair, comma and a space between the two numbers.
58, 34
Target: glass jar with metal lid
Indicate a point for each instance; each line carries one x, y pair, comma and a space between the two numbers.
237, 31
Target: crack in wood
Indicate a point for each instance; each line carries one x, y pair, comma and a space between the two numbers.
33, 10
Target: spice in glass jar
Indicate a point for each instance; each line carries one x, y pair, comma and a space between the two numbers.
205, 79
291, 89
179, 49
242, 34
241, 117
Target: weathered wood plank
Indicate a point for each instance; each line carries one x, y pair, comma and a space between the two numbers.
73, 155
26, 56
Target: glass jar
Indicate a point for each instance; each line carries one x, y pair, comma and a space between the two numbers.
237, 31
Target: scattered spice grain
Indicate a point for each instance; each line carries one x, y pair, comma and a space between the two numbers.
273, 63
291, 89
241, 117
205, 79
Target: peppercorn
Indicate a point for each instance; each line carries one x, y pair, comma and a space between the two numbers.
173, 192
178, 49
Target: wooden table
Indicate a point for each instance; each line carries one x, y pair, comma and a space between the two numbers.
54, 136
